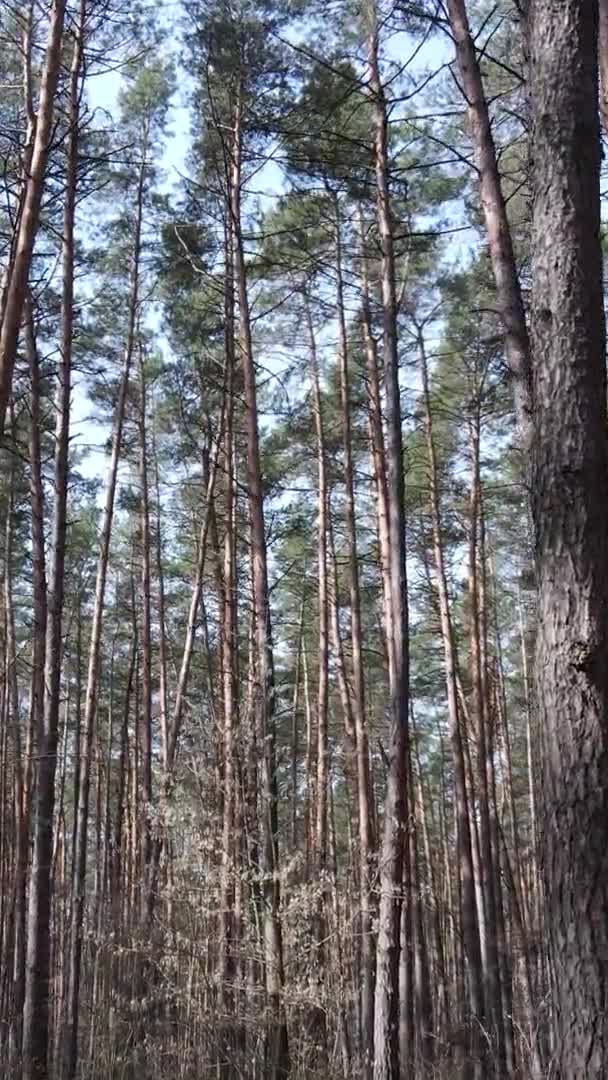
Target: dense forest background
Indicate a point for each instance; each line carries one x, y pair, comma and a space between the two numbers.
302, 385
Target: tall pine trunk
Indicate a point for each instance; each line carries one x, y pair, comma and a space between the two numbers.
570, 511
277, 1051
394, 845
36, 1040
15, 291
494, 208
366, 832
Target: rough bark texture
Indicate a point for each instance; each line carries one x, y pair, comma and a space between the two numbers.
603, 62
16, 287
502, 257
571, 524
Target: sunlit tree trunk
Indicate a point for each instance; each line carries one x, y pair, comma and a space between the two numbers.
15, 291
500, 242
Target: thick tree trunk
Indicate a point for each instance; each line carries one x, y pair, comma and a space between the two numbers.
377, 441
603, 62
502, 257
570, 510
27, 49
14, 297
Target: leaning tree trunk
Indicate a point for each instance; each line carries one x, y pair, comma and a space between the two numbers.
502, 256
570, 510
14, 297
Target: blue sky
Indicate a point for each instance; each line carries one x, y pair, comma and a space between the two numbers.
103, 91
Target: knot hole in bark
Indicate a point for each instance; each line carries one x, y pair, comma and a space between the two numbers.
584, 658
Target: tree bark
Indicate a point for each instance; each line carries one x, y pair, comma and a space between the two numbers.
603, 62
277, 1049
230, 714
377, 441
146, 615
394, 845
321, 823
15, 293
366, 837
570, 511
36, 1009
322, 778
480, 704
502, 256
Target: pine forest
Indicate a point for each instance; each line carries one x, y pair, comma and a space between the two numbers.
303, 540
